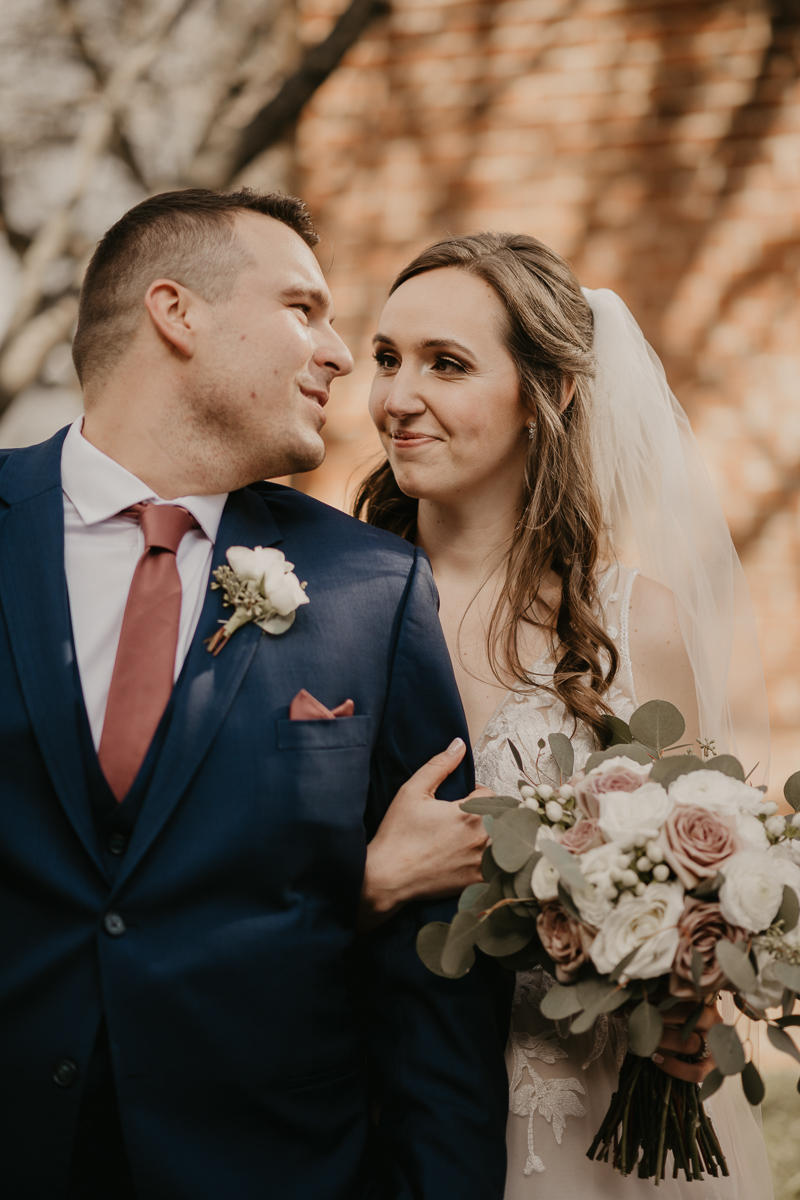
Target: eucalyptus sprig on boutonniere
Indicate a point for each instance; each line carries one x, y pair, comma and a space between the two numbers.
260, 586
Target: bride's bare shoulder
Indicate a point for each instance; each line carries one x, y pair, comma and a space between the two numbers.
661, 666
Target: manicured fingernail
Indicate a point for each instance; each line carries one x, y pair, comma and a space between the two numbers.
658, 1058
458, 744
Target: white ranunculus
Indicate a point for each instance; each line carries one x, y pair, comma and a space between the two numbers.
286, 595
595, 901
545, 880
633, 818
753, 890
716, 792
751, 831
649, 921
612, 765
789, 848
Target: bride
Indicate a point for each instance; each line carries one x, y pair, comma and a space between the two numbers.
533, 447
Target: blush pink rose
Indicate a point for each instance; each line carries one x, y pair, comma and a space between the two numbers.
585, 835
566, 940
701, 926
614, 775
696, 842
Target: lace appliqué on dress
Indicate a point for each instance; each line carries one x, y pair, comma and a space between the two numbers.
554, 1099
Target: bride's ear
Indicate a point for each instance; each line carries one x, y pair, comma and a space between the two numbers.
567, 392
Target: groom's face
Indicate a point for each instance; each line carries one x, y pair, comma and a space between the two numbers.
269, 354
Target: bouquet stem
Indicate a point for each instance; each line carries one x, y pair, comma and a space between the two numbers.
651, 1115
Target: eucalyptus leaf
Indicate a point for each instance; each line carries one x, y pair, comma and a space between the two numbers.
560, 1002
565, 863
789, 911
709, 887
657, 723
688, 1027
498, 940
787, 1002
782, 1041
493, 805
514, 838
630, 750
698, 962
724, 1044
601, 996
788, 974
562, 752
736, 965
488, 823
666, 770
791, 790
430, 943
522, 879
619, 969
458, 953
712, 1083
645, 1027
489, 868
726, 764
619, 730
567, 902
526, 959
668, 1003
471, 897
613, 999
753, 1084
516, 755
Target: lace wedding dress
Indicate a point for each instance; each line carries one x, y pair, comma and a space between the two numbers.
561, 1084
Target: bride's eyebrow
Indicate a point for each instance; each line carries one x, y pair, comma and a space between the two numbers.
428, 344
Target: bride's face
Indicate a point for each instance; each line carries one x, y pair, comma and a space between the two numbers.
445, 398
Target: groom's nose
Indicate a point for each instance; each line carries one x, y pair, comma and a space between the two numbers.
333, 354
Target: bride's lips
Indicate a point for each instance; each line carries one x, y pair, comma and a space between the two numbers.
408, 439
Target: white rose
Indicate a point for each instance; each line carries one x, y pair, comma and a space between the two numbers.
716, 792
633, 818
545, 880
253, 564
286, 594
753, 890
595, 901
620, 763
649, 921
789, 849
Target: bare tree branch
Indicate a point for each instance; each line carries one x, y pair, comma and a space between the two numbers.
270, 124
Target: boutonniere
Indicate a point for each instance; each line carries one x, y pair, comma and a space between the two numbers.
260, 586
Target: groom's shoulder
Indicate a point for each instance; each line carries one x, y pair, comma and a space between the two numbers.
299, 515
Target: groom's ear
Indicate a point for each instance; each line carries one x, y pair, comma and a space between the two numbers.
173, 310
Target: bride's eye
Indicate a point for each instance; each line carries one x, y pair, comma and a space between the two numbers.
385, 360
443, 364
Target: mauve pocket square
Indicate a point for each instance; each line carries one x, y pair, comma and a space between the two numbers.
305, 707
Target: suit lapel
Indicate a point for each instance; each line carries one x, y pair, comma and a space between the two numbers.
33, 594
208, 684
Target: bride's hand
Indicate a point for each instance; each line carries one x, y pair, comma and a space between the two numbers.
424, 847
671, 1043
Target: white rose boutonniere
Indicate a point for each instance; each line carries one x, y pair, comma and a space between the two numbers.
260, 586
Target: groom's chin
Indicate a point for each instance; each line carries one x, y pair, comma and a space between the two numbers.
297, 461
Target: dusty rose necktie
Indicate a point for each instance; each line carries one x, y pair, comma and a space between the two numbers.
141, 684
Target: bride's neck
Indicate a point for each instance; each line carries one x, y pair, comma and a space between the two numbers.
466, 539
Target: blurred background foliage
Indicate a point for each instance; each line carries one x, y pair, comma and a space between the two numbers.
655, 143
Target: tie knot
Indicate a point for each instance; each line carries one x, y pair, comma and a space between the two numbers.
163, 525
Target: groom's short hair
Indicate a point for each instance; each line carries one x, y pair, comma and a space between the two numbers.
187, 236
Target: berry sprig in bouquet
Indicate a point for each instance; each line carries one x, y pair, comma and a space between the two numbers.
645, 880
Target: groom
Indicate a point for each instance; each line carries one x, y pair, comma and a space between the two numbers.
182, 835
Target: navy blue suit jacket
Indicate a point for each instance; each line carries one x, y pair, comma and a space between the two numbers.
237, 1040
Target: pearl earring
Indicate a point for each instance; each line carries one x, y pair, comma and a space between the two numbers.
531, 430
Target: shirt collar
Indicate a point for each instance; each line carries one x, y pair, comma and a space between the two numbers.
100, 488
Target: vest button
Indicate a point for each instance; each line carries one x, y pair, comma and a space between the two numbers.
117, 843
65, 1072
114, 924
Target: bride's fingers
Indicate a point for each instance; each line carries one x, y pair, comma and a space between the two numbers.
671, 1040
690, 1072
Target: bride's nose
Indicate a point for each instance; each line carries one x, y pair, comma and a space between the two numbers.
403, 399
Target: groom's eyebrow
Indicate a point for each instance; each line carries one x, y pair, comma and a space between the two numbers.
316, 295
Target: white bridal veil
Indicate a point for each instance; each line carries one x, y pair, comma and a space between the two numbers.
663, 517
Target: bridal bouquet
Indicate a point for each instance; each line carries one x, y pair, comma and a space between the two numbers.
644, 880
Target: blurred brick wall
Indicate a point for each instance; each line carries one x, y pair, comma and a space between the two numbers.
657, 146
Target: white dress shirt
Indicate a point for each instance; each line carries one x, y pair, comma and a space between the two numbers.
101, 550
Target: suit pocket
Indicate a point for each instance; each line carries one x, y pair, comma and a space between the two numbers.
344, 733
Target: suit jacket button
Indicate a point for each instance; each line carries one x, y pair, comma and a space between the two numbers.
65, 1072
114, 924
117, 843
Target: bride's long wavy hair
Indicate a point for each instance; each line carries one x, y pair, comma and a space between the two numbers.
549, 335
